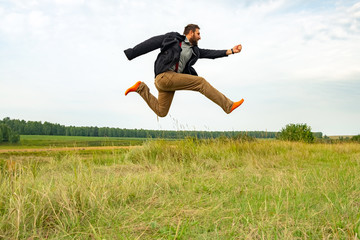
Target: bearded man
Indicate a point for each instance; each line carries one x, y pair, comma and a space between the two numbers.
174, 69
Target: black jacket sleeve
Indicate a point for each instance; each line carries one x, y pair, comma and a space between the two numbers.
212, 54
142, 48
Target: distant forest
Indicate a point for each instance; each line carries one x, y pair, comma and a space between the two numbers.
23, 127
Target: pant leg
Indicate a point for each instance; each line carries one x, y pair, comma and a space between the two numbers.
161, 105
171, 81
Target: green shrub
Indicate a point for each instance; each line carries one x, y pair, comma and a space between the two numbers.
356, 138
14, 137
297, 132
7, 135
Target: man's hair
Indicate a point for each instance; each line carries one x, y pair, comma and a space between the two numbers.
190, 27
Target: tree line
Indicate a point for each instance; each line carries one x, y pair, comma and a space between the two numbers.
23, 127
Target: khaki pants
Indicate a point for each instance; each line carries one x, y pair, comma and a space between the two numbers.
169, 82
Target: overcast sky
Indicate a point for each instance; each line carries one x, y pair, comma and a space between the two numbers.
62, 61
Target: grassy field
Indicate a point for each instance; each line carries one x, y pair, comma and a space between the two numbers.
188, 189
41, 141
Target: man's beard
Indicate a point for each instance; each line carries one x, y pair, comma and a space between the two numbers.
193, 40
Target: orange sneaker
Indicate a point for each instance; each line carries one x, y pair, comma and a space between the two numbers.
236, 104
133, 88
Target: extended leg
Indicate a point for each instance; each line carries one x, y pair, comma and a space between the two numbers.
171, 81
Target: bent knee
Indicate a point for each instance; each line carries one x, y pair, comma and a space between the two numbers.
202, 80
162, 114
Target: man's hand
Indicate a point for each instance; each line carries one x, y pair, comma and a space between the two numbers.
234, 50
237, 48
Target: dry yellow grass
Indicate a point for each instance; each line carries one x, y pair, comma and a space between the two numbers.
190, 189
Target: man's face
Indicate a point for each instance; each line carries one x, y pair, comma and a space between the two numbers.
195, 37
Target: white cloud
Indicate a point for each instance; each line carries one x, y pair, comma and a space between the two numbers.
265, 7
356, 9
37, 19
13, 23
69, 2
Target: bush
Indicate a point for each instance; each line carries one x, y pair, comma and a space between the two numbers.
356, 138
7, 135
14, 137
297, 132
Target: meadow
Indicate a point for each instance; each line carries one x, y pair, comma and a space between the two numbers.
186, 189
50, 141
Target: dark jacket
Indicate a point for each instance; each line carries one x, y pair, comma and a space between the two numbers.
170, 52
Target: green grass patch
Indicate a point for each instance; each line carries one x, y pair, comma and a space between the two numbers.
42, 141
188, 189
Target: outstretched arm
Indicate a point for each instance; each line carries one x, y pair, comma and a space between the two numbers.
144, 47
207, 53
234, 50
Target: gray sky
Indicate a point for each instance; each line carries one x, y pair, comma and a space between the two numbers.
62, 61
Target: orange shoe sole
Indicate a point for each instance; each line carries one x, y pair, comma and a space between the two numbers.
236, 104
133, 88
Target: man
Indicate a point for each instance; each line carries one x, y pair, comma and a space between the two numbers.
174, 71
